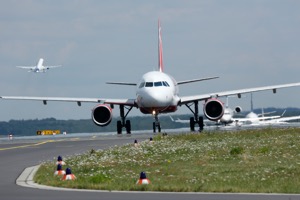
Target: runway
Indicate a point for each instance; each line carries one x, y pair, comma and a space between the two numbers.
18, 154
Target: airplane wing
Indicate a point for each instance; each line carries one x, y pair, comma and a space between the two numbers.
188, 99
54, 66
285, 119
128, 102
26, 67
269, 118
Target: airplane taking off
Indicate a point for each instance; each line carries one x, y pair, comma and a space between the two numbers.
39, 67
156, 93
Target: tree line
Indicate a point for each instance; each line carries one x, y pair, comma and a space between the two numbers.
30, 127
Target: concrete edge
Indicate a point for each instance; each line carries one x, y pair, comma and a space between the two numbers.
26, 180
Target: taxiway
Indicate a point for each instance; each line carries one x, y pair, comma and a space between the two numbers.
19, 154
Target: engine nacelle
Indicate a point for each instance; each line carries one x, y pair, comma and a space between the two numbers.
213, 109
102, 115
238, 109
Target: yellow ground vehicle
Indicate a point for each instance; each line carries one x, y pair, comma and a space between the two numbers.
48, 132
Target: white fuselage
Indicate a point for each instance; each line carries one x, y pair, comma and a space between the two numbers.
157, 92
227, 116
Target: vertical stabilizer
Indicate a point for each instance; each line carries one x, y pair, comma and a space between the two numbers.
40, 63
251, 103
160, 49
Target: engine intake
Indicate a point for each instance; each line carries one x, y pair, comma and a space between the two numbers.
102, 115
238, 109
213, 109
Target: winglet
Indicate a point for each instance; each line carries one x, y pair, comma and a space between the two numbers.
160, 50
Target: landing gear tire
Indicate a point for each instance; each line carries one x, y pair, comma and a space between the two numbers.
119, 127
158, 127
128, 126
201, 124
192, 124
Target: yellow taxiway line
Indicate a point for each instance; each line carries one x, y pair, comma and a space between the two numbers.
28, 145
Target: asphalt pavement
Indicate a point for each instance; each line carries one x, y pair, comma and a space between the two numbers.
19, 157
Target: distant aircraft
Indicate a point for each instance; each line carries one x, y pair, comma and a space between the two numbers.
226, 119
39, 67
229, 119
156, 93
252, 118
281, 120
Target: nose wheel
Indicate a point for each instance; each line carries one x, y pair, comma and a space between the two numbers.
156, 124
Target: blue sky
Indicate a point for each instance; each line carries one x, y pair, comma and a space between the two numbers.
246, 43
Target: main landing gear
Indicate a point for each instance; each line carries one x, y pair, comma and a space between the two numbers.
123, 122
196, 119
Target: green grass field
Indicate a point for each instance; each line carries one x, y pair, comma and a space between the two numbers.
260, 161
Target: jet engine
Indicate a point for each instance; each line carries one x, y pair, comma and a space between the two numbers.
213, 109
102, 114
238, 109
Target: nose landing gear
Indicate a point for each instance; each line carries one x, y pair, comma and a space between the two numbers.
156, 123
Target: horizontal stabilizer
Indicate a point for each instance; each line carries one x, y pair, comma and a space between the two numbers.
121, 83
196, 80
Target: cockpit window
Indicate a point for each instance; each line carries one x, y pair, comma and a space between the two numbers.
142, 84
166, 84
157, 84
149, 84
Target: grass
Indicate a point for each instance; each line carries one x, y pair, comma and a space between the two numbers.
260, 161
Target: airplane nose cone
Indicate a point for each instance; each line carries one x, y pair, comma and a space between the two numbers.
157, 100
226, 118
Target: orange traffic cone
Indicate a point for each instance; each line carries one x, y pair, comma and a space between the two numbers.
143, 179
69, 175
59, 170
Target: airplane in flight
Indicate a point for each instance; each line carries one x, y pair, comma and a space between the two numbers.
39, 67
156, 93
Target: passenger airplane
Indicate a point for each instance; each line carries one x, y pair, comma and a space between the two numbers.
229, 119
250, 117
39, 67
226, 119
156, 93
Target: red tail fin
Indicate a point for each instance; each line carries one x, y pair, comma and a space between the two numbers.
160, 49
